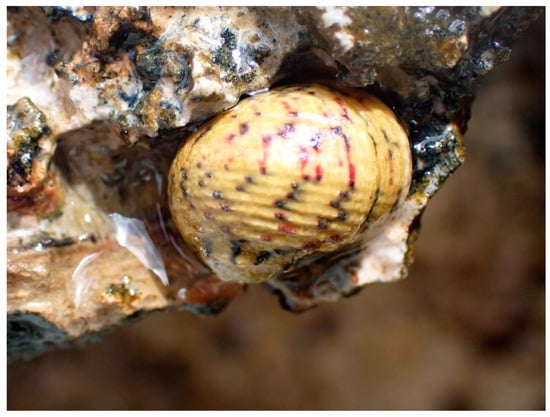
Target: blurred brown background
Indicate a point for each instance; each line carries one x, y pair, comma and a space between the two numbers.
465, 330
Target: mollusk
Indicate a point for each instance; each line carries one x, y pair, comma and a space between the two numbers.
285, 176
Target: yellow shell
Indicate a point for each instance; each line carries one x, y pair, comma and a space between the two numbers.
286, 175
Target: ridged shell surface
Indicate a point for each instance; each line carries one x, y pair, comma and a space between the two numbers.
286, 175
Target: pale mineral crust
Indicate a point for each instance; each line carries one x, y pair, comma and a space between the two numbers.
99, 99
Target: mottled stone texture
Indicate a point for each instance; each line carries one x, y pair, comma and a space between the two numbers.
99, 99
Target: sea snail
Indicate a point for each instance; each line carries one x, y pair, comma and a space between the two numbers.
287, 175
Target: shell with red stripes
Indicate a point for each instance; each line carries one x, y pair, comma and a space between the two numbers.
286, 176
